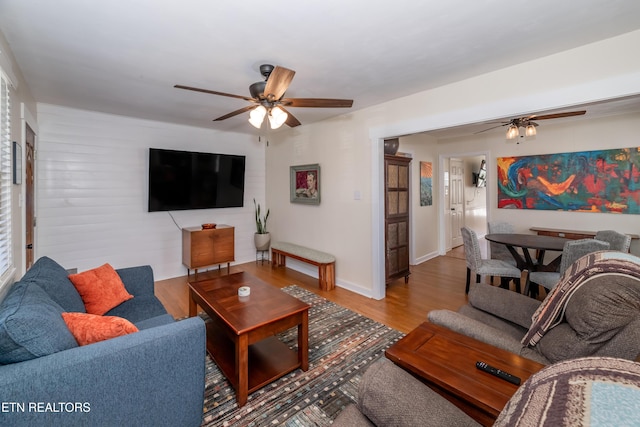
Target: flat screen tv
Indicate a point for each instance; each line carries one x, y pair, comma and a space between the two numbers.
180, 180
480, 178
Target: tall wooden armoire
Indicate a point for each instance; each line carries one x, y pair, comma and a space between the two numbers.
396, 221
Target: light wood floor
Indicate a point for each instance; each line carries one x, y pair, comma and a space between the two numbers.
434, 284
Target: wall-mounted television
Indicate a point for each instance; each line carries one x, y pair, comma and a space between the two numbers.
180, 180
480, 178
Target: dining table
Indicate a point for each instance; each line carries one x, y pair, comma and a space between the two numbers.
528, 243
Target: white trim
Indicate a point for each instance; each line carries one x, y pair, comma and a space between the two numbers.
27, 118
377, 219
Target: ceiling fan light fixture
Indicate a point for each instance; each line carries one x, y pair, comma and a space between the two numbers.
256, 116
530, 130
277, 117
513, 132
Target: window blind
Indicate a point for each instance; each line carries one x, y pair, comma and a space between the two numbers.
6, 261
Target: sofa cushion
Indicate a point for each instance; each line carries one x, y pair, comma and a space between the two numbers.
139, 308
90, 328
595, 314
101, 289
54, 280
511, 306
154, 322
31, 325
601, 308
562, 343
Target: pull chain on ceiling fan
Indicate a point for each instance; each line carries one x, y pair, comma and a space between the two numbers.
529, 125
267, 99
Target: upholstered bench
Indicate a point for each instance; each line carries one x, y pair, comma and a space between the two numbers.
325, 262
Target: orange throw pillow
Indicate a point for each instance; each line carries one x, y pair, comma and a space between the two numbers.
90, 328
101, 289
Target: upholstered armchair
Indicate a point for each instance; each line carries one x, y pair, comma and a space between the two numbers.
594, 311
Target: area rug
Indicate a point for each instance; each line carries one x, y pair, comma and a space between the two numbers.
342, 344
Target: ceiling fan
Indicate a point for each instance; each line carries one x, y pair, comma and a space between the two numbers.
528, 124
267, 99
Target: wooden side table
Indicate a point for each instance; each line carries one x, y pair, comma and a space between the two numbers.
446, 361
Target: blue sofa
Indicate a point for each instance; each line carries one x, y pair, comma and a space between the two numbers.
154, 377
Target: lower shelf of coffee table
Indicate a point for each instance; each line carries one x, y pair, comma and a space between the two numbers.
269, 359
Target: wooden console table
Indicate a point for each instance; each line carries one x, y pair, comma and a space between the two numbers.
446, 361
570, 234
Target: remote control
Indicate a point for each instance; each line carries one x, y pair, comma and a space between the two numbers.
498, 373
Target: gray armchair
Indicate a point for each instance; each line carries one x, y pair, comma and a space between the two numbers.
389, 396
486, 267
601, 317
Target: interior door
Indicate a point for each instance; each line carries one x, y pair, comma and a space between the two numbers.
456, 200
29, 196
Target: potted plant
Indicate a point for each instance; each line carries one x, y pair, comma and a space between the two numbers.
261, 238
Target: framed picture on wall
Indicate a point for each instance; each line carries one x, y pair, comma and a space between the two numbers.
304, 183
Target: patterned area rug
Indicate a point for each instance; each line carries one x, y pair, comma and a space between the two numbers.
342, 344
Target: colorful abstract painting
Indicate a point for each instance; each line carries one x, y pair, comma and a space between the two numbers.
426, 193
586, 181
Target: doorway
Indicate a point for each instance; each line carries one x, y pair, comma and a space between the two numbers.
456, 200
29, 196
463, 202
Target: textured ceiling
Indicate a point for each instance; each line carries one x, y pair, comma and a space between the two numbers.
123, 57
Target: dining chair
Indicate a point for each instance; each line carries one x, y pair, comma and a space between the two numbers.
617, 241
498, 250
486, 267
572, 251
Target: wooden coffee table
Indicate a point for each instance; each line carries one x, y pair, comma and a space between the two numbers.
240, 335
446, 361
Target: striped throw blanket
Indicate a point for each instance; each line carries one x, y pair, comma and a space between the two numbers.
551, 311
590, 391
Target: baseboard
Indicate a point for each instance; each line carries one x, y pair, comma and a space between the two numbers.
424, 258
304, 268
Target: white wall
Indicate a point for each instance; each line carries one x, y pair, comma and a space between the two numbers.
341, 224
349, 149
92, 190
424, 219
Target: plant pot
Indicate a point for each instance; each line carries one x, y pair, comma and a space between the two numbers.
262, 241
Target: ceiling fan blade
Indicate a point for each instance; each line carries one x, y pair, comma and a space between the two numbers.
317, 102
213, 92
559, 115
235, 113
291, 120
278, 82
493, 127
